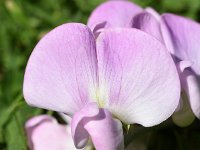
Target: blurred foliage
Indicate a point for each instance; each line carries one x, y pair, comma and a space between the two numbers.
22, 24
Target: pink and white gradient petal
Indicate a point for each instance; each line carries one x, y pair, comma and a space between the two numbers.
182, 39
117, 13
44, 133
105, 132
184, 36
138, 80
62, 69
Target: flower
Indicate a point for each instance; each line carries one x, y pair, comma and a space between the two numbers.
173, 31
44, 133
112, 14
182, 40
124, 76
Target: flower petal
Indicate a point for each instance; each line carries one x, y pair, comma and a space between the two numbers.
80, 135
138, 80
182, 65
114, 13
190, 95
182, 39
61, 72
153, 12
44, 133
191, 86
147, 23
106, 133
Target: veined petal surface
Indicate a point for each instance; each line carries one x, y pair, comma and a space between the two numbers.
146, 22
183, 36
61, 72
114, 13
138, 80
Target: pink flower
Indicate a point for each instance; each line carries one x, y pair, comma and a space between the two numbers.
44, 133
180, 35
125, 75
116, 13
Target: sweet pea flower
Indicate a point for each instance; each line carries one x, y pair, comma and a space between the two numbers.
182, 36
116, 13
44, 133
122, 13
124, 76
173, 31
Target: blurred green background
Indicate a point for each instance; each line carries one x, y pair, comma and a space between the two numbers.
22, 24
